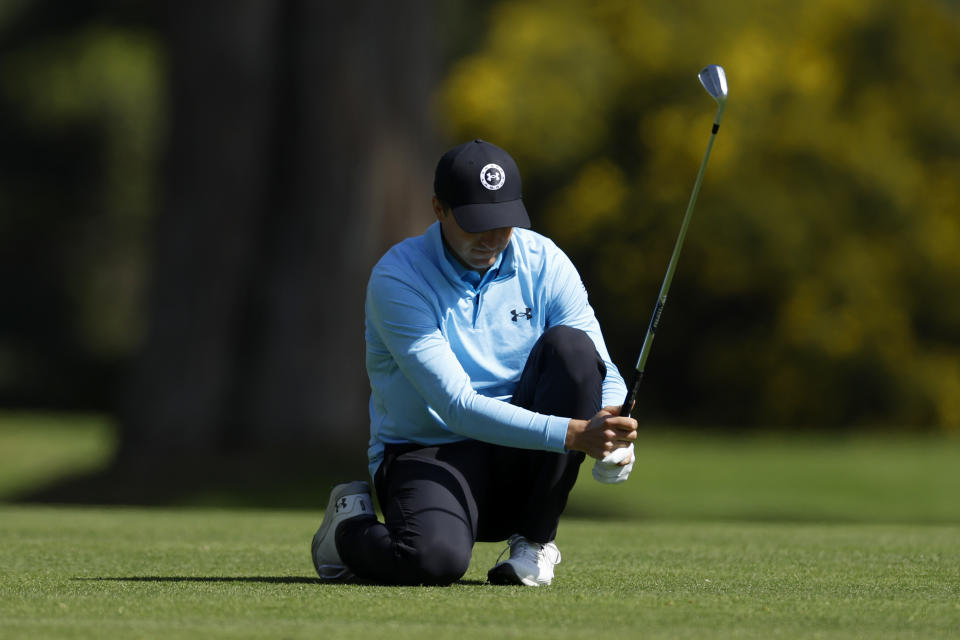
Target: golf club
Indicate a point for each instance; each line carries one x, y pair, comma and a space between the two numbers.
714, 80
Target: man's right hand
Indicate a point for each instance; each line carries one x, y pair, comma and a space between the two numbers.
601, 434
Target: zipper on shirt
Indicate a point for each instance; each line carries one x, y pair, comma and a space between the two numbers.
478, 294
476, 309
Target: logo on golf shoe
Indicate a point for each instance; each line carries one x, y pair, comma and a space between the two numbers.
492, 177
342, 504
526, 313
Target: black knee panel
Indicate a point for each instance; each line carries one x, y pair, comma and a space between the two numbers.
563, 375
440, 563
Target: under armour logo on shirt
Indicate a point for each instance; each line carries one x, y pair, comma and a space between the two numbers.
526, 313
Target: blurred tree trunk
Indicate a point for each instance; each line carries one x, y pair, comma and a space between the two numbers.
300, 148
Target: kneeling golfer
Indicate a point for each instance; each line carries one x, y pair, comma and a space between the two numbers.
490, 382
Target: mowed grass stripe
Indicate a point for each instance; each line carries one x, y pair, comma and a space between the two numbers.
801, 478
816, 477
76, 572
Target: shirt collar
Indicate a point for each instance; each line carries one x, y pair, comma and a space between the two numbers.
506, 265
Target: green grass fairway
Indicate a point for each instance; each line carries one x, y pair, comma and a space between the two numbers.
712, 537
38, 447
201, 573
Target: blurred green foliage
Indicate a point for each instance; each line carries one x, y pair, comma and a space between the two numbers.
81, 123
818, 281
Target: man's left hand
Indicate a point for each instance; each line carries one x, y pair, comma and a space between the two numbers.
615, 466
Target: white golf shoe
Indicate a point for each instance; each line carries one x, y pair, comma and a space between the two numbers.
347, 501
530, 563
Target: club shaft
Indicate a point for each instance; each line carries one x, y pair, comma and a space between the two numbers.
637, 376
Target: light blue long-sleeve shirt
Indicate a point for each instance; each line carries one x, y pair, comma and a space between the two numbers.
444, 357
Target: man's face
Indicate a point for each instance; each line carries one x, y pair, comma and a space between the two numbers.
478, 251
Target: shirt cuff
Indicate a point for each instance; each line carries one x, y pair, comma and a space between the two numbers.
556, 435
613, 395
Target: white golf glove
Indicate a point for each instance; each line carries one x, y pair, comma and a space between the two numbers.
609, 471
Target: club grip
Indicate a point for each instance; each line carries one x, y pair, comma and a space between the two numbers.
632, 388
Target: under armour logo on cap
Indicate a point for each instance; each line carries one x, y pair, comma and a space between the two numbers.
492, 177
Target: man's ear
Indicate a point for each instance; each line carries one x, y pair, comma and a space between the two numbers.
438, 209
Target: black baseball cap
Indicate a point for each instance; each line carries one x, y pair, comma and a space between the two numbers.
481, 184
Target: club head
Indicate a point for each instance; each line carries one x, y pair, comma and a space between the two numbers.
714, 80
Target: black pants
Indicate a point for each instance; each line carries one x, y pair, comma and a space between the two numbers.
438, 500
